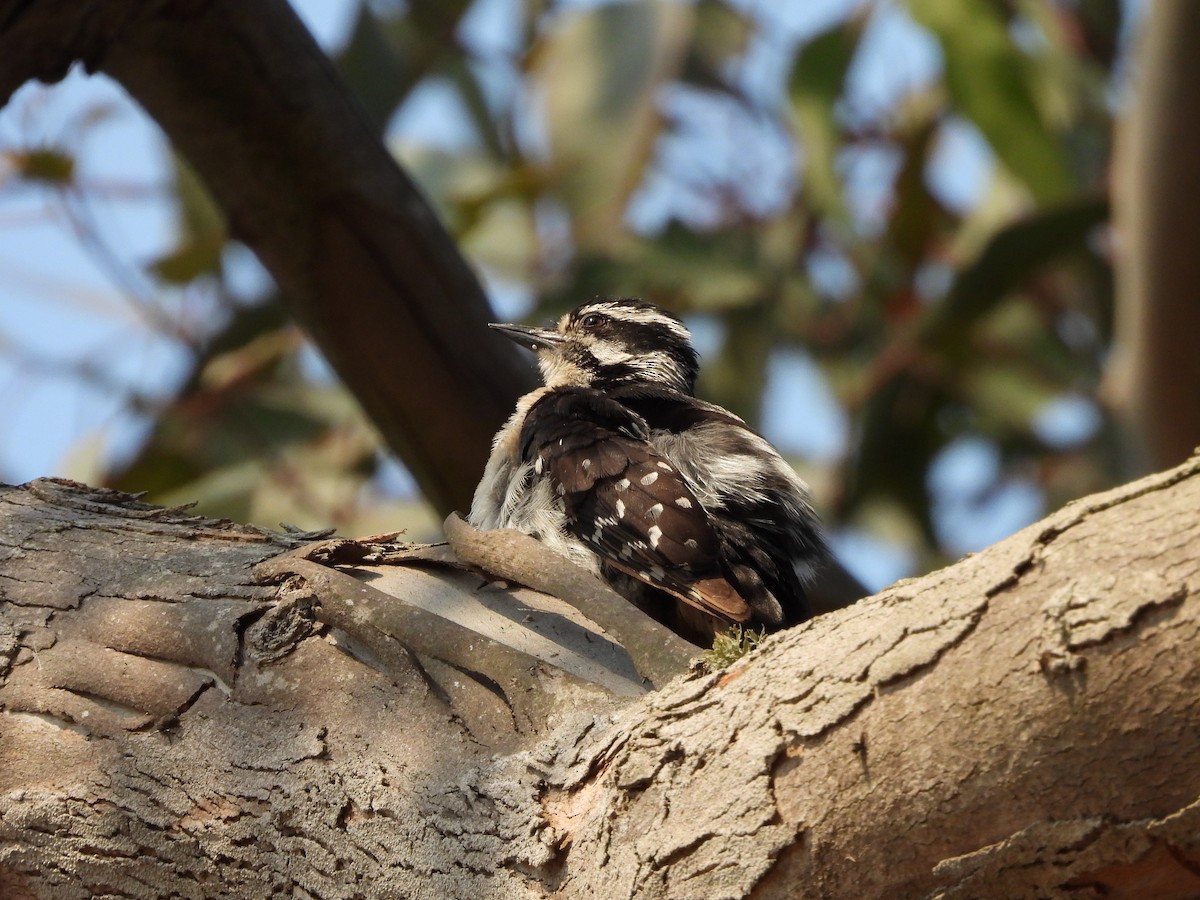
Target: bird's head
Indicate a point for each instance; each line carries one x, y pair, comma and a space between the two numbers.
608, 343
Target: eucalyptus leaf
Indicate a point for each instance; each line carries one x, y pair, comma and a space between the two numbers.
816, 82
599, 71
992, 83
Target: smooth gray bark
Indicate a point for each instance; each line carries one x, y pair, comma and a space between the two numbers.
1156, 379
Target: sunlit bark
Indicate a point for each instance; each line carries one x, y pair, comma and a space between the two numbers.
198, 708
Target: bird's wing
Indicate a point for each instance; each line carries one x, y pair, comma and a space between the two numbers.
626, 501
771, 541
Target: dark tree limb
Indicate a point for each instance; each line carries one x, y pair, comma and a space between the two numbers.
243, 91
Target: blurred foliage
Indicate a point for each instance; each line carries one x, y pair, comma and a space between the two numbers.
716, 160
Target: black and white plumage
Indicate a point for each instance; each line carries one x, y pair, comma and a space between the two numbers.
616, 465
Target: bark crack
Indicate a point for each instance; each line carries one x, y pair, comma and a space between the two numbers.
1149, 612
1077, 512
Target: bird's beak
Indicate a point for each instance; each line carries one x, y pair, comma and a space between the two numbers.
534, 338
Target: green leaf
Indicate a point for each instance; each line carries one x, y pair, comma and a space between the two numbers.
198, 212
735, 379
222, 491
707, 271
387, 57
720, 35
201, 226
372, 67
900, 435
199, 256
916, 215
503, 238
815, 84
1011, 257
600, 70
1005, 398
45, 165
990, 81
474, 101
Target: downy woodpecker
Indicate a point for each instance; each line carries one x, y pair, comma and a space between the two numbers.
615, 464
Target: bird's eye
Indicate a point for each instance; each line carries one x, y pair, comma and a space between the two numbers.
591, 320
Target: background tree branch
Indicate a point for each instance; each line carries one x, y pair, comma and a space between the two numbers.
184, 710
1156, 186
362, 260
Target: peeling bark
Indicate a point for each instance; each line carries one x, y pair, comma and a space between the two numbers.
202, 709
191, 707
915, 742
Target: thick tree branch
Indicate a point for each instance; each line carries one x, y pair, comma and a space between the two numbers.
1025, 722
931, 738
303, 179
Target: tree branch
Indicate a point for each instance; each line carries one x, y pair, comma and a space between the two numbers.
361, 258
658, 652
1024, 722
1156, 375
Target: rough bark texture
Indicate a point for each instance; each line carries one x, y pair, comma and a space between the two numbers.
243, 91
194, 708
198, 709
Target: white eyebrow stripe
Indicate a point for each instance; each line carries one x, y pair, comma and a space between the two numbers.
642, 317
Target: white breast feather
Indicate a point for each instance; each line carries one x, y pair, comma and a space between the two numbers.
510, 495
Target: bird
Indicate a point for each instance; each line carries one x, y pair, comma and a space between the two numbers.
676, 502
